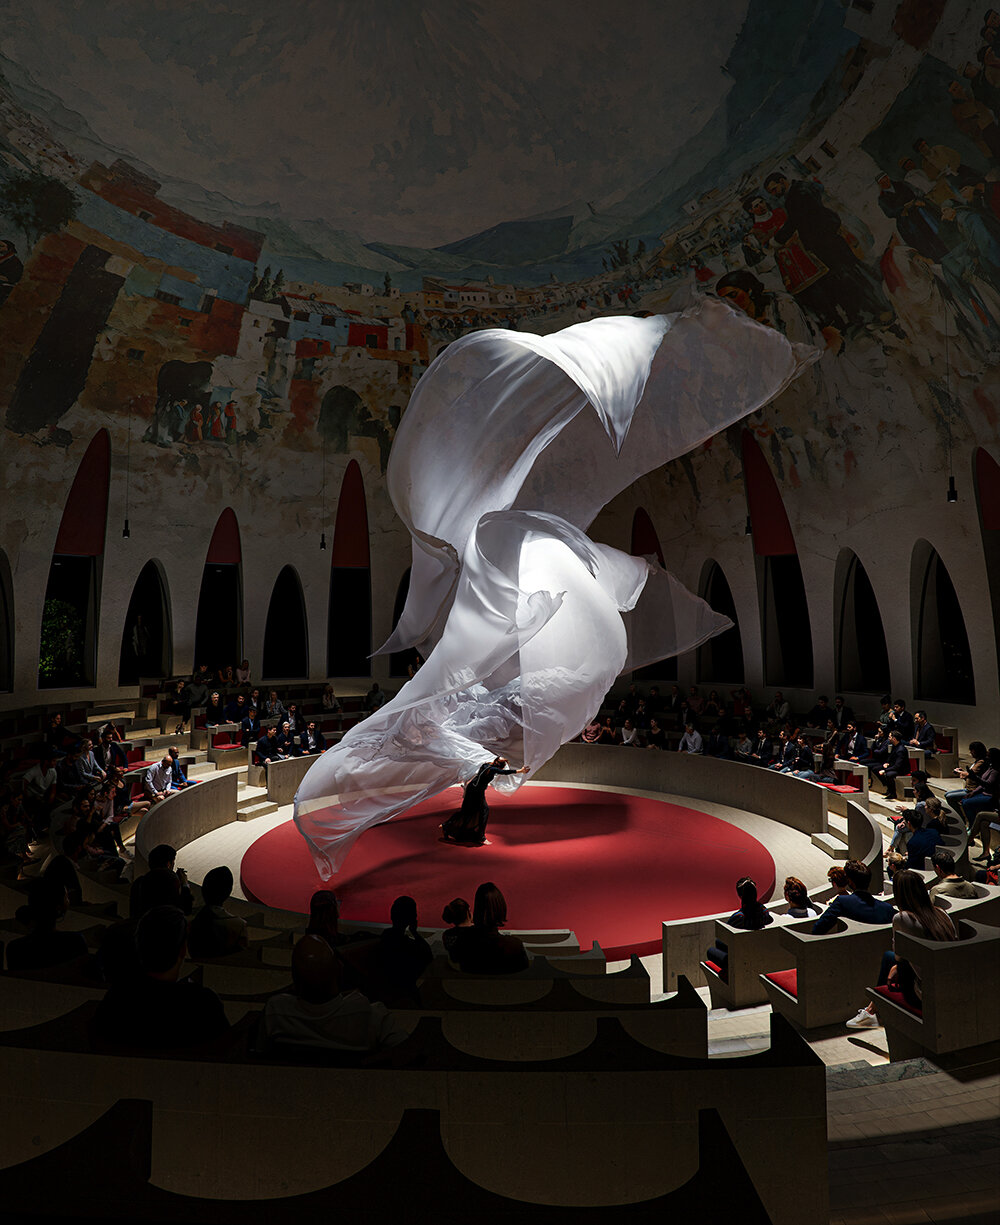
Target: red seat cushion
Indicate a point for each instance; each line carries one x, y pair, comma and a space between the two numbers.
225, 744
842, 788
137, 765
712, 966
896, 997
787, 980
943, 744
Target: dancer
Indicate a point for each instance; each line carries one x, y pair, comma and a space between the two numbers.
468, 824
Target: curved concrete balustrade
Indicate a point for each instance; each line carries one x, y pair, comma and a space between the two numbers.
186, 815
780, 797
283, 777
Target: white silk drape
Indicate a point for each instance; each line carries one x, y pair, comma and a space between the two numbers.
510, 445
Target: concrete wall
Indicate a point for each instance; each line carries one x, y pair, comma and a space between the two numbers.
186, 815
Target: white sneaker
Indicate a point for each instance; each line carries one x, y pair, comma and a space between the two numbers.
864, 1020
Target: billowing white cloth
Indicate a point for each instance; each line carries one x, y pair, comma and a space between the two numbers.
524, 622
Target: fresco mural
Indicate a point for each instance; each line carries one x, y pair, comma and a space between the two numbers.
830, 168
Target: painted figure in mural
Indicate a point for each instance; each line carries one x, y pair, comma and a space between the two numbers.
195, 423
939, 163
778, 310
917, 219
975, 120
230, 423
980, 232
216, 426
11, 269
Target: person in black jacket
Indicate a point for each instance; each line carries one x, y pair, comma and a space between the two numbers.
469, 823
897, 764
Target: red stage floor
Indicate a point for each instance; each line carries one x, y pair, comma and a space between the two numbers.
609, 866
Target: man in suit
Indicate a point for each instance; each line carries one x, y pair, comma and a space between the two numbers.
762, 751
859, 904
901, 721
924, 736
787, 753
841, 715
853, 745
819, 714
312, 740
897, 764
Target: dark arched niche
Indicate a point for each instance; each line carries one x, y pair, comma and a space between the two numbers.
146, 648
720, 659
942, 660
218, 637
286, 635
986, 476
349, 619
6, 626
68, 639
862, 663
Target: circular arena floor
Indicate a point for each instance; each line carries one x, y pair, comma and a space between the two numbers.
609, 865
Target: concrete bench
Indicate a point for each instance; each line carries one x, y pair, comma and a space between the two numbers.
751, 954
960, 982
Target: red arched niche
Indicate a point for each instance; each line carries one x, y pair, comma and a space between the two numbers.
85, 517
772, 533
645, 542
350, 533
988, 488
224, 549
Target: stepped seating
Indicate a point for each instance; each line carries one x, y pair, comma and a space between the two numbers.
960, 982
750, 954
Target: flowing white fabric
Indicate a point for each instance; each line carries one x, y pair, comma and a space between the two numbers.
523, 621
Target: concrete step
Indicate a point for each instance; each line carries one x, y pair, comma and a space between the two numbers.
830, 844
252, 811
114, 715
250, 794
836, 827
201, 769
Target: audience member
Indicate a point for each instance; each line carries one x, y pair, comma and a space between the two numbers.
274, 708
482, 948
819, 714
691, 741
158, 1010
924, 736
842, 714
215, 932
919, 846
917, 916
403, 954
374, 698
859, 904
901, 721
312, 739
157, 781
243, 672
656, 737
630, 734
44, 946
948, 882
797, 897
838, 879
897, 765
751, 916
331, 703
972, 777
236, 708
39, 785
161, 881
778, 708
987, 794
317, 1012
458, 915
269, 748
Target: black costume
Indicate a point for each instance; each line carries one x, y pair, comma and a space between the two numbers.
468, 824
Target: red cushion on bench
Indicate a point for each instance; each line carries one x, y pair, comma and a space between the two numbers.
712, 966
137, 765
896, 997
226, 745
787, 980
841, 788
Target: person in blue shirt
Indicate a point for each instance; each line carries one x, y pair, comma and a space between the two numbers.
859, 904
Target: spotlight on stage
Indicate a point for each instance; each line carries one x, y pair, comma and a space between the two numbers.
952, 491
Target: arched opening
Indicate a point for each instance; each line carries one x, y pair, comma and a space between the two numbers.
721, 658
6, 626
787, 634
349, 619
943, 661
146, 648
986, 476
67, 654
862, 654
218, 636
286, 636
646, 543
400, 661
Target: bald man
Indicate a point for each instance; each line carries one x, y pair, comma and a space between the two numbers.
317, 1013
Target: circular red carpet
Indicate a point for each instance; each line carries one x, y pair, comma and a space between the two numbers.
611, 867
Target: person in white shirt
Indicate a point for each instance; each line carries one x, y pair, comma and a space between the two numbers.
691, 741
318, 1013
157, 782
630, 734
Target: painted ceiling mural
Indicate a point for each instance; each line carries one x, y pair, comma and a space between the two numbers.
240, 233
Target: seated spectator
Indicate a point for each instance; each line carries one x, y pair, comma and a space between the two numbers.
255, 702
236, 709
716, 744
268, 748
591, 733
917, 916
949, 883
374, 698
243, 672
57, 738
178, 779
214, 932
324, 917
249, 727
148, 890
123, 803
672, 707
312, 740
819, 714
157, 780
897, 765
274, 708
714, 706
778, 709
226, 676
630, 734
842, 714
788, 752
859, 904
744, 746
608, 735
924, 736
854, 745
39, 789
885, 715
656, 738
295, 720
972, 777
919, 846
987, 795
481, 948
901, 721
61, 870
691, 741
878, 748
158, 1010
215, 711
802, 763
331, 703
751, 916
838, 879
83, 848
458, 915
403, 954
695, 703
89, 772
640, 718
318, 1013
45, 947
654, 703
762, 751
110, 751
797, 897
286, 741
929, 811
